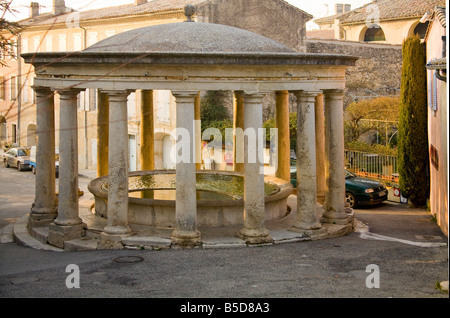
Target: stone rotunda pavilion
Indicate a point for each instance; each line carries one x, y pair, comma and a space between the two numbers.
186, 58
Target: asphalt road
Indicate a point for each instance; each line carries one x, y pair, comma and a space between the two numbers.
403, 242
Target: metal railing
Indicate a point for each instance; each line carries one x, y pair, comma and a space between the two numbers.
370, 165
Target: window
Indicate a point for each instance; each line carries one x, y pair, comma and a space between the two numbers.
92, 39
434, 157
421, 29
109, 33
374, 33
2, 87
36, 44
163, 107
83, 100
49, 43
131, 105
93, 99
77, 42
432, 90
62, 43
24, 45
13, 88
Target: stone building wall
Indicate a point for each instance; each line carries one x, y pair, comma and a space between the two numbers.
274, 19
376, 73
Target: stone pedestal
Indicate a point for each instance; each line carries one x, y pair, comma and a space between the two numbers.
58, 234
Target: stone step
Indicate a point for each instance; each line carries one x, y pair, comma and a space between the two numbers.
81, 244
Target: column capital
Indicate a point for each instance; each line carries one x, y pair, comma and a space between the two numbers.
307, 96
335, 93
117, 95
253, 97
185, 96
42, 90
67, 92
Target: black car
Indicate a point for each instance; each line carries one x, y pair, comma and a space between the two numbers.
358, 191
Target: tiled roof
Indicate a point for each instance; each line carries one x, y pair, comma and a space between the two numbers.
391, 10
320, 34
327, 20
152, 6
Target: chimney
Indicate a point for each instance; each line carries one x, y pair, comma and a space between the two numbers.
59, 7
139, 2
34, 9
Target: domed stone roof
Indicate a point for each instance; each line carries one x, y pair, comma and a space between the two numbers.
189, 37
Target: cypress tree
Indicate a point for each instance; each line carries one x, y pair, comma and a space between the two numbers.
413, 133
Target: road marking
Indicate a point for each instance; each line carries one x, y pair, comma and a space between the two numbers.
393, 213
364, 233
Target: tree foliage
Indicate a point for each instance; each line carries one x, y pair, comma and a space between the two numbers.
359, 114
214, 114
413, 135
8, 30
292, 128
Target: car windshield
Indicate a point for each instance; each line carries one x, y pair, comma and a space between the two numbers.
348, 175
22, 152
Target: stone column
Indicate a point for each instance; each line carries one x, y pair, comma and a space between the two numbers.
147, 132
68, 225
320, 147
118, 164
284, 146
102, 134
43, 210
238, 125
307, 218
334, 151
254, 231
186, 233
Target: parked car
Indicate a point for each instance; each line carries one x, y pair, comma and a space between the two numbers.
358, 190
17, 157
33, 160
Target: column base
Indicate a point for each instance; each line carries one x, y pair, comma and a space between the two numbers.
252, 236
186, 239
117, 230
302, 226
58, 234
314, 234
341, 218
111, 241
36, 220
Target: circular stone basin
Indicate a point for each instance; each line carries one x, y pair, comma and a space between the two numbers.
152, 198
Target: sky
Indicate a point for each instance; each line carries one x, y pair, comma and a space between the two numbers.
317, 8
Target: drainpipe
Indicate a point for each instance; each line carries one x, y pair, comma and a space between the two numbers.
19, 86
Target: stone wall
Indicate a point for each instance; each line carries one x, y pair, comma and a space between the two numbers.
274, 19
376, 73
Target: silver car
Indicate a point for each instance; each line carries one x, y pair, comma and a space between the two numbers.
17, 157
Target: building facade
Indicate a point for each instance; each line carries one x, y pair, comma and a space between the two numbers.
382, 21
438, 115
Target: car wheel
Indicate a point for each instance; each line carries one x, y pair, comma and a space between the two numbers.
19, 166
351, 200
6, 163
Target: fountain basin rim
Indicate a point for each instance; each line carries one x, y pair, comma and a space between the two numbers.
285, 188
